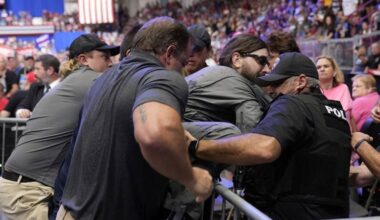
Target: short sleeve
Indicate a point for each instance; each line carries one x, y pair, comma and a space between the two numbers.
287, 120
165, 87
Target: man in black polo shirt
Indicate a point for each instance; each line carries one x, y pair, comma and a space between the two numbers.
303, 142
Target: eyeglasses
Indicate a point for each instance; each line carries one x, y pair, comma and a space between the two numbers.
262, 60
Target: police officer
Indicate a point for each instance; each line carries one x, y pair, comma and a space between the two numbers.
303, 142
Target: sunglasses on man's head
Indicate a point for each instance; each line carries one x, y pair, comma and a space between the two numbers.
262, 60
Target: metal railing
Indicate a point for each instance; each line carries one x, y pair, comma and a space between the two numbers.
340, 49
238, 203
14, 130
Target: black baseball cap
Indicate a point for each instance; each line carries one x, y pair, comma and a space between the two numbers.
89, 42
201, 38
28, 56
289, 64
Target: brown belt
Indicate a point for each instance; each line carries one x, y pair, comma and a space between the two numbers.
14, 177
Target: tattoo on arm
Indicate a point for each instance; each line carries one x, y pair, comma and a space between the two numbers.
142, 114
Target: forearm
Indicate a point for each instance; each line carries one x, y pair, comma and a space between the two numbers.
248, 149
370, 157
159, 132
168, 156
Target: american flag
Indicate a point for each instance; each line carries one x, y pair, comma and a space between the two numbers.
43, 41
96, 11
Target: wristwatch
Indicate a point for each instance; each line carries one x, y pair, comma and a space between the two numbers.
193, 147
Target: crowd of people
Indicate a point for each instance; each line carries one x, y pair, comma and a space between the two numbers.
139, 131
61, 22
123, 127
305, 19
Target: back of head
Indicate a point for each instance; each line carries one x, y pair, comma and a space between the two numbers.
49, 60
201, 38
157, 34
281, 42
127, 42
243, 43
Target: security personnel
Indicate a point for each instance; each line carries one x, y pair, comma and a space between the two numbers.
302, 142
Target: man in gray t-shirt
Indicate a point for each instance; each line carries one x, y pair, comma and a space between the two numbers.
31, 170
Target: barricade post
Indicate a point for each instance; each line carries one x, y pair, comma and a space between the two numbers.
9, 121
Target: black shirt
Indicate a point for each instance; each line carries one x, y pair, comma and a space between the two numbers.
309, 179
10, 79
373, 61
34, 95
14, 101
108, 176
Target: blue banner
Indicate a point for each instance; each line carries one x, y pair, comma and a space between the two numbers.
62, 40
35, 7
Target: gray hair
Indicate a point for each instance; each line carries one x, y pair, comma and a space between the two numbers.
313, 84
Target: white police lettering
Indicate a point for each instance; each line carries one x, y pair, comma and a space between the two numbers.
337, 112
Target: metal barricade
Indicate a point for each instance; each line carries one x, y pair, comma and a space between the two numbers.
238, 203
342, 50
12, 126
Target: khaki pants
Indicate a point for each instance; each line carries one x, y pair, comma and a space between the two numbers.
63, 214
27, 200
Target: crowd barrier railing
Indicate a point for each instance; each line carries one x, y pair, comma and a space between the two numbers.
342, 50
11, 129
239, 206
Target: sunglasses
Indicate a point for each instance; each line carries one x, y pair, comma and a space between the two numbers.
262, 60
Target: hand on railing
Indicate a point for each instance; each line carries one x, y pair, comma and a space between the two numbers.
202, 185
23, 113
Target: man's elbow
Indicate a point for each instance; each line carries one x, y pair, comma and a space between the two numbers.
155, 136
148, 139
271, 152
270, 155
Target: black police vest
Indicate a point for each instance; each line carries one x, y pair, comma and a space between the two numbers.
314, 170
